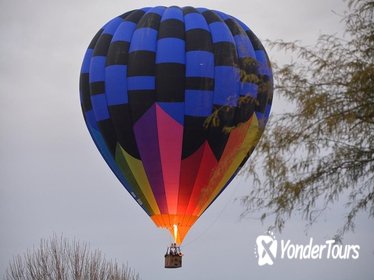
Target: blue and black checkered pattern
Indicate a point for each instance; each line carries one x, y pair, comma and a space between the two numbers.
191, 62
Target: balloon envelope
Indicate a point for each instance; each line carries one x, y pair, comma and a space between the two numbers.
175, 100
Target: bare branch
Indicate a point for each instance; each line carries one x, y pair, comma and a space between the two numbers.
57, 258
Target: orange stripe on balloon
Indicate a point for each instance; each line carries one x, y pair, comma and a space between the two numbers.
241, 140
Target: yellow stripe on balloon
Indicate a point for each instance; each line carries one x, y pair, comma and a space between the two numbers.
137, 169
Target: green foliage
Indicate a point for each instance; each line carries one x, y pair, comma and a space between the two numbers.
324, 148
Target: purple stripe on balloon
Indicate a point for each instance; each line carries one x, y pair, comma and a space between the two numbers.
147, 140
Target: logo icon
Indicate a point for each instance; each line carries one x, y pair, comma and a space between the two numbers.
266, 249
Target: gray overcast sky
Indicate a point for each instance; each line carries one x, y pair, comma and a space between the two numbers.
52, 179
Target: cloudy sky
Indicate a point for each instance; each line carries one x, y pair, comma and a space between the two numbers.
52, 179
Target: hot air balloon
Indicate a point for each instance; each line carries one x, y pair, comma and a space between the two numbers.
175, 100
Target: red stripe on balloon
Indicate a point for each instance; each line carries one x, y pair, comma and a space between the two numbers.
170, 138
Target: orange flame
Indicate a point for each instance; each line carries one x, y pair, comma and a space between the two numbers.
175, 232
182, 224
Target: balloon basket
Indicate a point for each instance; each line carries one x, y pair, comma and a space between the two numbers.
173, 256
